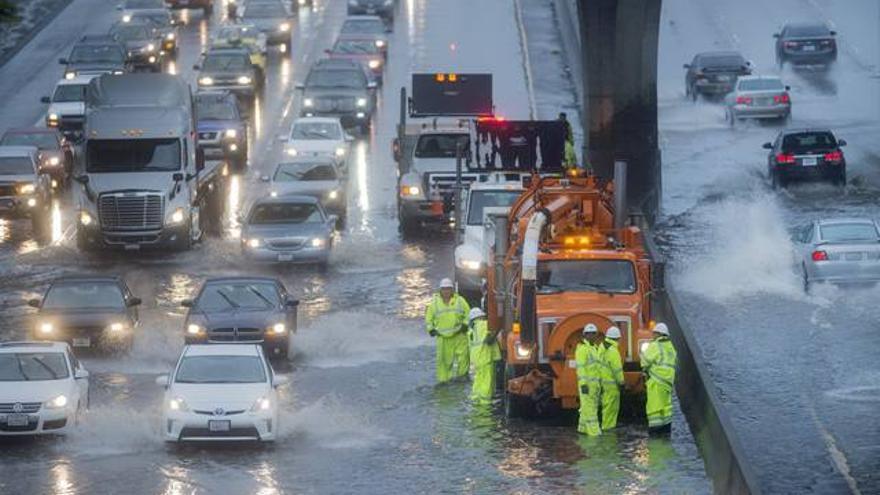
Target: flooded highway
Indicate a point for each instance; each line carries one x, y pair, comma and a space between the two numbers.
362, 413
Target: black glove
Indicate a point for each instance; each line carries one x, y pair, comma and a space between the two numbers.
433, 333
585, 389
490, 339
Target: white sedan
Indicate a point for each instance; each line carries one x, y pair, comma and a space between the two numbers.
318, 136
43, 388
224, 392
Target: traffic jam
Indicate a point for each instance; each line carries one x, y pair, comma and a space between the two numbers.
244, 243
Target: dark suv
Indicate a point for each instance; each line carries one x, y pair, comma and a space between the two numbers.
242, 309
806, 44
381, 8
806, 153
96, 54
714, 73
339, 88
222, 130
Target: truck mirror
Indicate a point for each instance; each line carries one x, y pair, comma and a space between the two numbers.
62, 61
177, 177
45, 99
34, 303
82, 179
200, 159
658, 275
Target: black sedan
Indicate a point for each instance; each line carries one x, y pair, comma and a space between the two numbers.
87, 312
713, 74
242, 309
806, 44
806, 153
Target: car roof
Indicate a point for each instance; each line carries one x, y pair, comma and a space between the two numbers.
336, 63
838, 220
18, 150
32, 345
757, 77
364, 18
297, 160
234, 278
79, 79
720, 54
221, 350
800, 130
287, 198
229, 50
321, 120
71, 279
804, 24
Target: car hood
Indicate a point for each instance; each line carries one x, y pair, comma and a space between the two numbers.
285, 231
217, 125
72, 318
316, 188
95, 67
228, 396
312, 92
434, 164
67, 108
226, 73
142, 181
241, 318
315, 145
137, 44
265, 24
17, 179
34, 391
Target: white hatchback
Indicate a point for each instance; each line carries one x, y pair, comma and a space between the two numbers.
221, 392
43, 388
318, 136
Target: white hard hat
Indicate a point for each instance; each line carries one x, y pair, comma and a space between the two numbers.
475, 313
590, 328
612, 332
446, 283
662, 329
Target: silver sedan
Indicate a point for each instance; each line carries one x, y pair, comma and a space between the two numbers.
758, 97
839, 251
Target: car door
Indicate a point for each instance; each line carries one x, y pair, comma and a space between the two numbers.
689, 76
82, 384
806, 242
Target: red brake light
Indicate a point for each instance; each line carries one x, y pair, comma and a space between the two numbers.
820, 256
783, 98
743, 100
834, 156
785, 158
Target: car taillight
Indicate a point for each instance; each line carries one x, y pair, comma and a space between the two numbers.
783, 98
784, 158
820, 256
743, 100
834, 156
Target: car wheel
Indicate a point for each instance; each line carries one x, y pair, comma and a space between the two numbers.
840, 178
731, 118
694, 94
806, 279
775, 179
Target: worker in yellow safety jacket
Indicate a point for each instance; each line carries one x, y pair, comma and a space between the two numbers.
612, 378
588, 360
446, 319
658, 363
484, 354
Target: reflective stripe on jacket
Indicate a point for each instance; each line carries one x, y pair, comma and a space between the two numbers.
659, 359
588, 360
612, 366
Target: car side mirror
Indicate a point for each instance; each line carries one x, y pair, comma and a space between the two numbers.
372, 85
332, 219
134, 301
197, 67
34, 303
292, 303
82, 179
186, 303
328, 51
687, 66
46, 99
749, 63
282, 138
349, 138
833, 33
767, 146
841, 142
162, 381
279, 381
299, 86
80, 374
62, 61
788, 88
776, 35
200, 159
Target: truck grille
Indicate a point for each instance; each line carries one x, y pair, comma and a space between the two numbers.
443, 185
26, 407
139, 211
235, 335
286, 244
337, 104
7, 190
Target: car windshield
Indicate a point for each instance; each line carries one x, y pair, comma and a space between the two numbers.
808, 141
221, 369
723, 61
295, 172
806, 31
847, 232
480, 200
97, 54
216, 110
226, 62
356, 47
609, 276
283, 213
440, 145
761, 85
42, 140
225, 296
336, 79
132, 32
32, 366
69, 92
153, 18
133, 155
84, 295
363, 26
144, 4
15, 165
316, 130
264, 10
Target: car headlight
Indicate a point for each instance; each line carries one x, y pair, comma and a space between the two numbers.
117, 72
643, 346
177, 404
126, 18
169, 36
308, 102
254, 243
361, 102
56, 403
333, 194
353, 3
292, 151
411, 191
380, 43
244, 80
340, 151
262, 404
116, 327
53, 161
273, 194
85, 218
278, 329
206, 81
26, 189
231, 133
177, 216
53, 116
523, 351
284, 27
46, 328
472, 265
317, 242
69, 75
194, 329
150, 48
389, 3
374, 64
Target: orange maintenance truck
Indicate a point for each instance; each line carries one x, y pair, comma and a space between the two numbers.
561, 259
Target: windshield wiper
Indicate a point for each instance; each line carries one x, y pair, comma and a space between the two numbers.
227, 298
600, 288
47, 367
292, 176
261, 296
21, 370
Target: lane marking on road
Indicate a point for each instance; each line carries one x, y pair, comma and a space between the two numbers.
526, 61
837, 455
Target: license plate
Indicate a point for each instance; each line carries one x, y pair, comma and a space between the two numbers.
809, 48
82, 342
724, 78
437, 207
853, 256
809, 161
132, 247
371, 10
285, 257
17, 420
219, 425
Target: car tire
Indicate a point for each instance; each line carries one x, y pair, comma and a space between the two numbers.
408, 228
806, 279
840, 178
82, 243
731, 118
694, 95
776, 180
